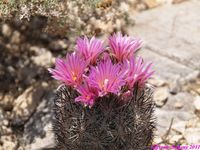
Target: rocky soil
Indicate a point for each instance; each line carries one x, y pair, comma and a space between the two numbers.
171, 42
26, 94
177, 111
27, 90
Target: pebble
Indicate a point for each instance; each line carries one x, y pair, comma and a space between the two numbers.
182, 100
161, 96
141, 7
156, 81
178, 1
6, 30
1, 115
5, 130
192, 77
178, 105
190, 123
5, 122
197, 103
11, 69
198, 90
58, 45
45, 84
26, 103
43, 143
174, 87
175, 138
43, 58
7, 101
192, 135
179, 126
197, 106
157, 140
151, 3
8, 142
16, 37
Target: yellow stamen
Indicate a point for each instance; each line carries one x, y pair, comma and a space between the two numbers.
103, 84
87, 97
74, 76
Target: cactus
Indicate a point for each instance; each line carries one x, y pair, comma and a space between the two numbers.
104, 102
111, 124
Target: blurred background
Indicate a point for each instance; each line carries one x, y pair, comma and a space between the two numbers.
34, 32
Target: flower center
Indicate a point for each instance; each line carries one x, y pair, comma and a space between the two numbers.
104, 83
88, 97
74, 76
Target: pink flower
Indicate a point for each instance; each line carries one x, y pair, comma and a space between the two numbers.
123, 47
87, 95
89, 49
106, 77
137, 71
69, 70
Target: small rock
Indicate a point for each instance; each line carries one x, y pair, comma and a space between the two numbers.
11, 69
45, 84
151, 3
164, 118
4, 130
43, 57
1, 115
48, 142
179, 126
9, 142
178, 1
192, 135
58, 45
157, 140
198, 90
175, 138
175, 87
161, 96
5, 122
193, 123
178, 105
39, 126
124, 6
190, 123
192, 77
157, 82
180, 100
141, 7
26, 103
197, 106
197, 122
6, 102
6, 30
16, 37
197, 103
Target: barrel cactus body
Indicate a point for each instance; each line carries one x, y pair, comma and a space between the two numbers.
111, 124
104, 103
